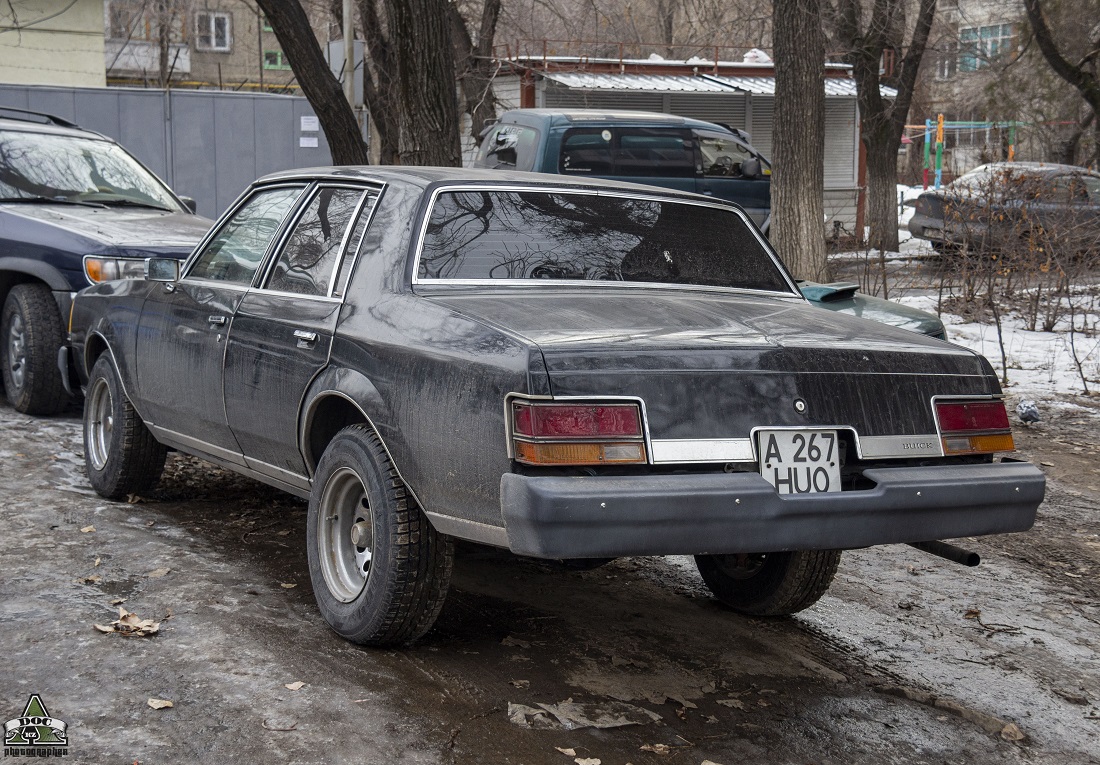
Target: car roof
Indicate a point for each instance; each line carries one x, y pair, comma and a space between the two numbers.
425, 177
603, 116
8, 124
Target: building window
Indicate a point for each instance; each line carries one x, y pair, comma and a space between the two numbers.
947, 61
130, 20
213, 31
981, 46
266, 25
275, 59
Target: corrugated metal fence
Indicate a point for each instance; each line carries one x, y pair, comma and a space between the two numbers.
205, 144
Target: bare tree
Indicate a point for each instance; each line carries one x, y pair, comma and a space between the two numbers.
1083, 74
319, 85
474, 62
882, 120
798, 177
379, 82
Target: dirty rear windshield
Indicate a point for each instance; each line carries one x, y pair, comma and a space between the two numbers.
493, 235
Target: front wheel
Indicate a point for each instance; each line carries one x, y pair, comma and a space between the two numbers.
120, 454
31, 331
379, 570
769, 584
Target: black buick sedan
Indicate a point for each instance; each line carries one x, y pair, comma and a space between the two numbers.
569, 369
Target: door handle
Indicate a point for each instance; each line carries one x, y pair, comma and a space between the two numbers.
218, 320
305, 336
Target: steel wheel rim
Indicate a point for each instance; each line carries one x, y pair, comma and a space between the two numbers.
345, 535
742, 565
101, 423
17, 351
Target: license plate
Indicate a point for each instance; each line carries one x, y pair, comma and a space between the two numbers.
800, 461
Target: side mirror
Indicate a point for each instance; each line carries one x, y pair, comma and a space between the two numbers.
750, 168
162, 269
189, 203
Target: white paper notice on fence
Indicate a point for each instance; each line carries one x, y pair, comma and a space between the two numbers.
308, 141
310, 124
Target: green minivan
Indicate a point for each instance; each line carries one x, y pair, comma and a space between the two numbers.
640, 147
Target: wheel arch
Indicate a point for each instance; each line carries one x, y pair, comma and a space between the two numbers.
15, 271
336, 399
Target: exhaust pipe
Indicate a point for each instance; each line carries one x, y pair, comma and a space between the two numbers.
950, 552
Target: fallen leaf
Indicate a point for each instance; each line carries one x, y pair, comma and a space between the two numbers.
520, 683
134, 499
529, 717
709, 687
708, 762
656, 748
587, 761
150, 524
118, 601
282, 533
972, 613
160, 703
130, 625
157, 573
711, 719
608, 714
684, 702
87, 529
295, 686
287, 585
89, 579
96, 563
567, 752
734, 703
1012, 733
515, 642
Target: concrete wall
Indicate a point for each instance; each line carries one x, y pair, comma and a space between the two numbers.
66, 49
204, 144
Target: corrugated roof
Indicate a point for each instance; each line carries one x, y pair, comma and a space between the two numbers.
647, 82
701, 83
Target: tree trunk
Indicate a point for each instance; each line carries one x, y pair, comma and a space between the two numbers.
319, 85
798, 176
380, 84
476, 68
425, 82
882, 194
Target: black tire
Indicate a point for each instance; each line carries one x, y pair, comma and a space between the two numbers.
390, 589
31, 334
769, 584
120, 454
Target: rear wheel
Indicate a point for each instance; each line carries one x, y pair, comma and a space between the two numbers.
380, 572
769, 584
120, 454
30, 337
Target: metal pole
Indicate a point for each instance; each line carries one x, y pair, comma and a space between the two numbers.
349, 55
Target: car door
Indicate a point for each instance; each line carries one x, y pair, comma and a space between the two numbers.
183, 327
722, 159
283, 328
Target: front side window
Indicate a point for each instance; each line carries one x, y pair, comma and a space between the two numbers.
235, 253
72, 169
723, 156
509, 147
486, 235
654, 152
308, 261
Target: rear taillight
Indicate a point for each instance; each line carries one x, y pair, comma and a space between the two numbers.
974, 427
549, 433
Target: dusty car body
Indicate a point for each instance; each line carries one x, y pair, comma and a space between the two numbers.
566, 369
1009, 207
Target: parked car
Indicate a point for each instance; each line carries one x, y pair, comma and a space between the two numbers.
639, 147
1006, 206
845, 297
577, 370
75, 209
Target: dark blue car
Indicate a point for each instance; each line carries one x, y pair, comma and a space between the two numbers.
75, 209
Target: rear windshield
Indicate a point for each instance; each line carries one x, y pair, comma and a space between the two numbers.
483, 235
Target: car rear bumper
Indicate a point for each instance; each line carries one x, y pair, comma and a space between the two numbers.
609, 516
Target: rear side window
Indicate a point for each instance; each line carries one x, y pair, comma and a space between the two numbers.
509, 147
488, 235
586, 151
308, 261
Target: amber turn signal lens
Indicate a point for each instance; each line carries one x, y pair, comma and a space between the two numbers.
579, 453
986, 444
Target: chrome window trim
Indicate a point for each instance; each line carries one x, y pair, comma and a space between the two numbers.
448, 188
510, 433
189, 263
354, 256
